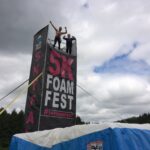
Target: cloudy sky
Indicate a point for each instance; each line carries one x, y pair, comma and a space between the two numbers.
113, 51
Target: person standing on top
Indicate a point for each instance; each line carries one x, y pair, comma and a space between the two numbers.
69, 40
58, 34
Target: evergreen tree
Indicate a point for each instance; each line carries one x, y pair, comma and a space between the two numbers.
4, 129
144, 118
10, 124
79, 121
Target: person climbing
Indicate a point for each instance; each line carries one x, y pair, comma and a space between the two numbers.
58, 34
69, 40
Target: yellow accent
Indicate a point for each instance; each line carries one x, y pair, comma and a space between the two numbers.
7, 106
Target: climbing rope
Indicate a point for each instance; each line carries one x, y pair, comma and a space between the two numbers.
13, 90
11, 103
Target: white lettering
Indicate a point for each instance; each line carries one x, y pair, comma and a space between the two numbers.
70, 85
63, 101
63, 86
56, 83
70, 101
55, 100
47, 97
49, 80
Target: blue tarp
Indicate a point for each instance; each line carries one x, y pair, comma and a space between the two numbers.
116, 138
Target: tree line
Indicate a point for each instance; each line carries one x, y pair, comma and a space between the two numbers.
12, 123
141, 119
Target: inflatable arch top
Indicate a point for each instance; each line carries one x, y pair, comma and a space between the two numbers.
114, 136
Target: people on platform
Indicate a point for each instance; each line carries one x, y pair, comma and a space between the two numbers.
58, 34
69, 40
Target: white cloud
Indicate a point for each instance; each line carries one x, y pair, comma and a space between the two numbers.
14, 71
102, 29
142, 53
111, 95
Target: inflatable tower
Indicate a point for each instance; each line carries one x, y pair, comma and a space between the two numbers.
51, 99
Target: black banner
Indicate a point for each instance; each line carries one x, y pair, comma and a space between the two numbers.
34, 95
59, 101
51, 100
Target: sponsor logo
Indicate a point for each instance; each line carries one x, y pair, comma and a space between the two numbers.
38, 42
97, 145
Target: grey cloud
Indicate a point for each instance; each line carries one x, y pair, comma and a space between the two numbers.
100, 30
113, 103
20, 20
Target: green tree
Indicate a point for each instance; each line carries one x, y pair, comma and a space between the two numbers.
141, 119
79, 120
4, 129
10, 124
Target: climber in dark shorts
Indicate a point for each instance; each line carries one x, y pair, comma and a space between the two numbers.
69, 40
58, 34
